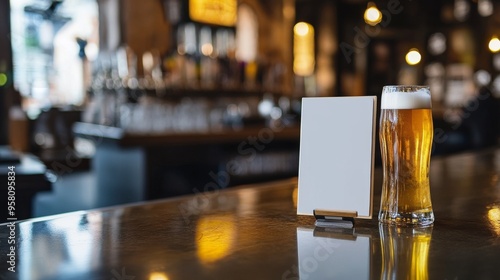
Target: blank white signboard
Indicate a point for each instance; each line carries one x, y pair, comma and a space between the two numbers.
337, 155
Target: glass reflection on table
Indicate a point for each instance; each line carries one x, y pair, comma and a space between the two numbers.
332, 253
405, 252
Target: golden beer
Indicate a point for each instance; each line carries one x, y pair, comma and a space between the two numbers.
406, 133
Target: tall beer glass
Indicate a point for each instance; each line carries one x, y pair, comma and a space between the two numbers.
406, 133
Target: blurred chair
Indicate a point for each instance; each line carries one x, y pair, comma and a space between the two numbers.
53, 139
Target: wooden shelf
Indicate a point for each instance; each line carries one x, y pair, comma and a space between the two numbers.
123, 138
178, 93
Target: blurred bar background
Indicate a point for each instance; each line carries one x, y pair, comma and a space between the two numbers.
125, 101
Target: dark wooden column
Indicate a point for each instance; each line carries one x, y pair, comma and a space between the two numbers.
6, 68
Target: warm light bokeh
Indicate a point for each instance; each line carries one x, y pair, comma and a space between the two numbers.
413, 57
220, 12
303, 49
494, 44
372, 15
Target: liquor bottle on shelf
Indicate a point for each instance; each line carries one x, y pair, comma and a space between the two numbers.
208, 71
188, 51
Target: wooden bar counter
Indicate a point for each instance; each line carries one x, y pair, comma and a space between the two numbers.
253, 232
133, 167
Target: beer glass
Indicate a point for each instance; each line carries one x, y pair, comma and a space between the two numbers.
406, 133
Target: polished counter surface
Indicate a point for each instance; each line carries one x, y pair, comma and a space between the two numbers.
253, 232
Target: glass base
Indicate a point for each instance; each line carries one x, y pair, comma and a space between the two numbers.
418, 218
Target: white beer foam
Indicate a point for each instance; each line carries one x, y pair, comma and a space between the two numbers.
420, 99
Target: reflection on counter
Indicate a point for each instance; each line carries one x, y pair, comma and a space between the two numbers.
494, 219
333, 254
158, 276
72, 242
215, 237
405, 252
